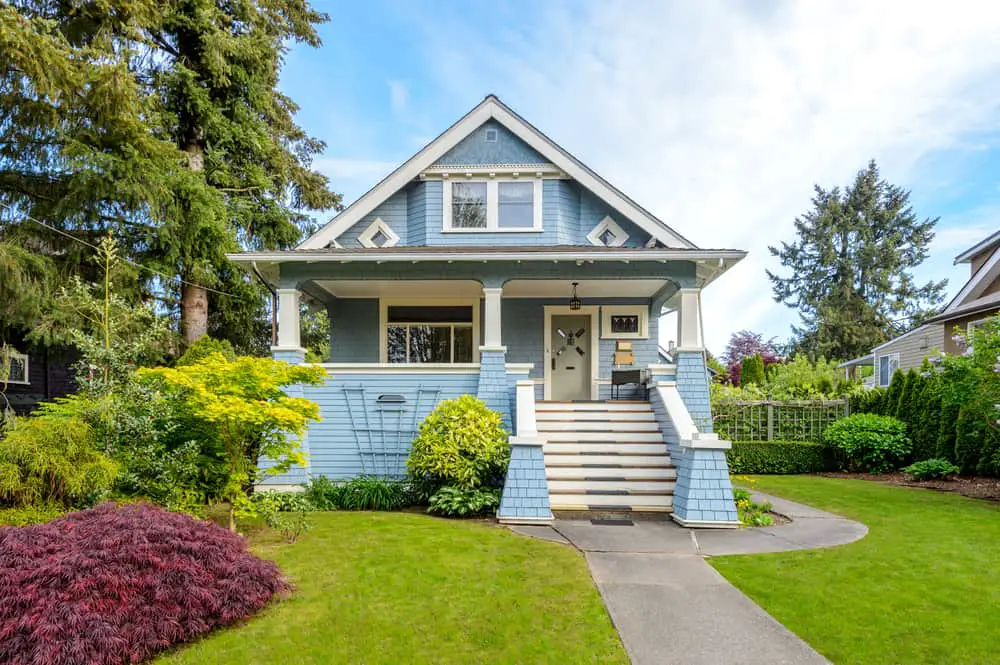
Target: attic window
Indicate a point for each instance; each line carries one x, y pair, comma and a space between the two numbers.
378, 235
492, 135
607, 234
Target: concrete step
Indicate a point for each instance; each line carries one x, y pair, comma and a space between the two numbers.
663, 472
582, 485
605, 416
604, 448
610, 461
598, 426
621, 437
634, 407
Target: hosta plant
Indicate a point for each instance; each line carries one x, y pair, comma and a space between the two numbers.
931, 469
117, 584
460, 502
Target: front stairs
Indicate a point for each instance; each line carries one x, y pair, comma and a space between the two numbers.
605, 456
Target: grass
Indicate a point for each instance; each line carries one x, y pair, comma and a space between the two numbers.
922, 587
395, 588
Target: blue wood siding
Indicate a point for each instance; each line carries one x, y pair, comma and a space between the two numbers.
354, 333
507, 149
416, 206
593, 210
393, 212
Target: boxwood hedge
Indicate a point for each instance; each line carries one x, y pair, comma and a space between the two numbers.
778, 457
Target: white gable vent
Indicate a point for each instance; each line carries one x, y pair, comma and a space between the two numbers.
492, 135
378, 234
607, 234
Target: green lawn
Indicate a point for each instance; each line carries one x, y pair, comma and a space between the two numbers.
922, 587
407, 588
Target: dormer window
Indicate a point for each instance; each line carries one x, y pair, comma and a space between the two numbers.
507, 205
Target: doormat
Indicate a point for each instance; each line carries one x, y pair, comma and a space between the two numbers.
612, 522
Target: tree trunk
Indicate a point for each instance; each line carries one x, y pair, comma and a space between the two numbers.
194, 312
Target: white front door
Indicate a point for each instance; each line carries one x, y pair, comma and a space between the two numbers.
570, 357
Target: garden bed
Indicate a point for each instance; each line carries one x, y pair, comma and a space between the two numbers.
974, 487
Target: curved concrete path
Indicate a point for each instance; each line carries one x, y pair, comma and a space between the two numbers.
670, 606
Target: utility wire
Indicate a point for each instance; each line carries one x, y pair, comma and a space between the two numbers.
172, 278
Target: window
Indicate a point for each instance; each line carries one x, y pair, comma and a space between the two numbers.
887, 366
492, 135
625, 322
517, 207
429, 334
13, 367
512, 205
607, 233
468, 205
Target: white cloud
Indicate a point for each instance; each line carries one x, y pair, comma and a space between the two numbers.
721, 116
399, 97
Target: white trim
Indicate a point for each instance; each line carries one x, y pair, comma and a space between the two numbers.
479, 255
608, 224
288, 301
378, 226
492, 108
974, 288
520, 368
592, 310
25, 361
400, 368
978, 248
383, 320
608, 311
492, 205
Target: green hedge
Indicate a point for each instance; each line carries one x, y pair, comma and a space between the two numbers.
779, 457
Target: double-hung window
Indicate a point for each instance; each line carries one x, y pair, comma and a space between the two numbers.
429, 334
485, 205
887, 366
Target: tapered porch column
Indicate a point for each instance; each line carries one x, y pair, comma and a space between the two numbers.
689, 334
289, 347
494, 387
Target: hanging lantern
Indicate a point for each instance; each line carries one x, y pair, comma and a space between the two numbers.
575, 303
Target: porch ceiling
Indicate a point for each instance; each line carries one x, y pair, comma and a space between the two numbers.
522, 288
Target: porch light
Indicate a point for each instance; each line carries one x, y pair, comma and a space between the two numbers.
575, 303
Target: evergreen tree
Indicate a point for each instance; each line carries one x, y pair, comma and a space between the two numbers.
948, 425
160, 123
752, 371
927, 419
907, 396
890, 403
852, 265
970, 432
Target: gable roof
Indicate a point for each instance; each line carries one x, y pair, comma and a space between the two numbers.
983, 245
493, 108
975, 288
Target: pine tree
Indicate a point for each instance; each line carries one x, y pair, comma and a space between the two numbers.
851, 264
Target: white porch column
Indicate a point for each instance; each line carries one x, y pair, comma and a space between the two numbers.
689, 319
492, 308
288, 319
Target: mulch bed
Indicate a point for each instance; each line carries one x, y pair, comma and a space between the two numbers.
973, 487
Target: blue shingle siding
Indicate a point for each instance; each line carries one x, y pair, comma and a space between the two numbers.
354, 333
692, 384
393, 212
593, 210
416, 206
360, 435
525, 491
703, 492
561, 212
507, 149
294, 357
494, 384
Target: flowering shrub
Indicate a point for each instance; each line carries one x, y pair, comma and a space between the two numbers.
117, 584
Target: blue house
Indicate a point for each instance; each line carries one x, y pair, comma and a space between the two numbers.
494, 263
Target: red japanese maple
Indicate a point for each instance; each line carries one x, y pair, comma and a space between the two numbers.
117, 584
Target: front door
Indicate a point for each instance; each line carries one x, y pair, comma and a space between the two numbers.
570, 359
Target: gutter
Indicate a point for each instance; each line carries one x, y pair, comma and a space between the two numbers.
274, 302
332, 256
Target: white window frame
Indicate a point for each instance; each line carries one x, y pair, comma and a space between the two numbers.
383, 326
367, 237
493, 205
607, 224
23, 357
878, 368
624, 310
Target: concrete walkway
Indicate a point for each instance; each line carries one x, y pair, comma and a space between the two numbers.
670, 606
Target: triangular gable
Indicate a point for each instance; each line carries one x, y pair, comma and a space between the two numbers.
505, 148
978, 284
489, 109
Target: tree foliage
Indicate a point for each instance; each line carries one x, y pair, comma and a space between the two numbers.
851, 268
752, 371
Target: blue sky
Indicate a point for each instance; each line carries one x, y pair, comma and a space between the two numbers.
717, 116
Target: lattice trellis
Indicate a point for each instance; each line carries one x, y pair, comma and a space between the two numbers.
776, 421
383, 432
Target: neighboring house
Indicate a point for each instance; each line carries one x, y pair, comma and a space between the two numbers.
34, 376
977, 300
495, 263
